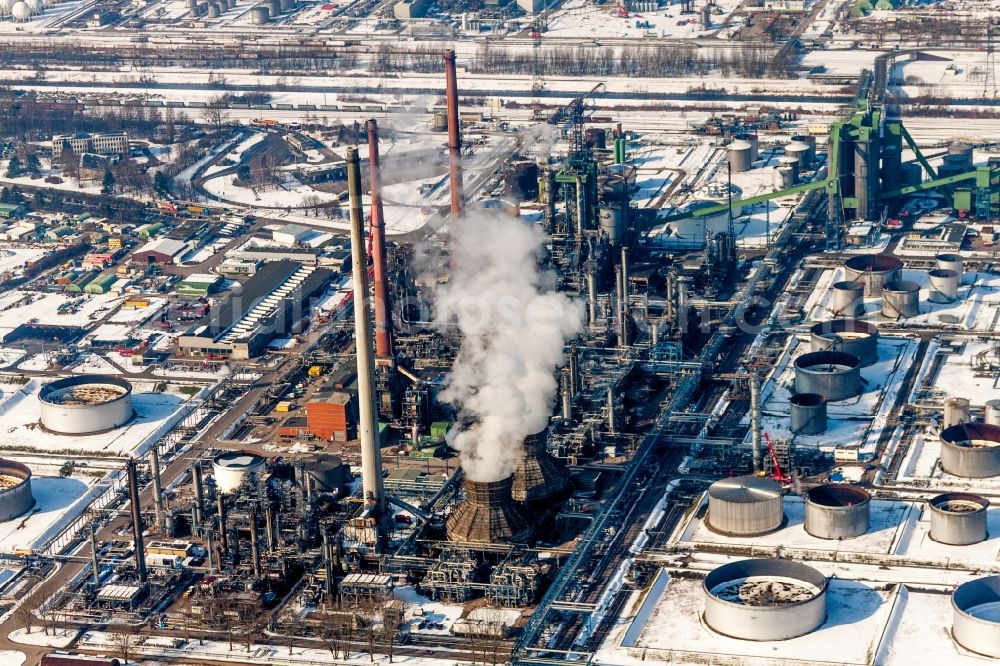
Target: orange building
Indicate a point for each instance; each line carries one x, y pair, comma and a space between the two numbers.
333, 416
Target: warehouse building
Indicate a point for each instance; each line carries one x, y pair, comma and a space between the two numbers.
269, 304
199, 285
252, 253
160, 251
291, 234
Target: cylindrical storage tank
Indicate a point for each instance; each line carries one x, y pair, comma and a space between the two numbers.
851, 336
15, 490
192, 4
287, 5
745, 506
273, 7
942, 285
754, 142
991, 412
327, 474
911, 174
833, 375
202, 9
971, 450
739, 156
231, 468
800, 151
848, 299
214, 11
873, 271
259, 15
810, 141
5, 7
784, 177
765, 600
808, 414
792, 163
837, 511
35, 6
951, 262
956, 412
596, 137
958, 519
612, 221
961, 155
900, 299
86, 404
975, 623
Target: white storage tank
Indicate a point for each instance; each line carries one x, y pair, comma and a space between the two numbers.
745, 506
232, 468
85, 404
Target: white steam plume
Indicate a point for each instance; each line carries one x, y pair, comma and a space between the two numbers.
513, 325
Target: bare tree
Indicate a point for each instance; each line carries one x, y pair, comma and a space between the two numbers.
215, 114
125, 640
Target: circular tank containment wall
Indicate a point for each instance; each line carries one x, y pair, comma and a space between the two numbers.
765, 600
833, 375
837, 511
976, 615
86, 404
745, 506
958, 519
846, 335
232, 467
15, 490
971, 450
873, 271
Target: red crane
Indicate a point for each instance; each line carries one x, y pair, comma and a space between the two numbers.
777, 475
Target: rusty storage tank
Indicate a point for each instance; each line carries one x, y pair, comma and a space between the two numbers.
836, 511
539, 477
521, 181
848, 298
958, 519
874, 271
951, 262
991, 412
326, 473
971, 450
765, 600
808, 414
900, 299
975, 615
439, 120
846, 335
259, 15
739, 156
956, 412
745, 506
833, 375
488, 515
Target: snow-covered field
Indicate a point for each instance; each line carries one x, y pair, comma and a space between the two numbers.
57, 501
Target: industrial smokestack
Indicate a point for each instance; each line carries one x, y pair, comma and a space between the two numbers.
93, 556
371, 456
755, 421
154, 461
454, 134
383, 310
567, 399
199, 497
133, 495
223, 531
255, 544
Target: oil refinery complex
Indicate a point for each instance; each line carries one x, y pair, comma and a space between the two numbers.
644, 332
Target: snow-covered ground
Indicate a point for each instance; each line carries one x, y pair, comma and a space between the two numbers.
57, 501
